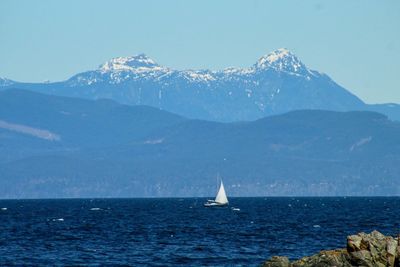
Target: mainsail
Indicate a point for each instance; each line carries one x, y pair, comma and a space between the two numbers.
221, 196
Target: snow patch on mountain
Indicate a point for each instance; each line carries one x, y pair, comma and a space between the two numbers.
199, 76
139, 63
283, 60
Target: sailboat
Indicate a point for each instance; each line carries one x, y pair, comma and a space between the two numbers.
220, 200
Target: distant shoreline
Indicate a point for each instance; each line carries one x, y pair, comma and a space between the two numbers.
206, 197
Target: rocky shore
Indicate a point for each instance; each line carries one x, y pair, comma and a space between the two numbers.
368, 250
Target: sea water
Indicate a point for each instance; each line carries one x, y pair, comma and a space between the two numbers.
170, 232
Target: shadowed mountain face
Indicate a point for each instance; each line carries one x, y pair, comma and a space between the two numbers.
65, 147
277, 83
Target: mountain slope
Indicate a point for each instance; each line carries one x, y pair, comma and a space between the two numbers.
142, 151
277, 83
65, 124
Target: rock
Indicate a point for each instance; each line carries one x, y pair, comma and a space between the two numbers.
367, 250
373, 249
277, 261
338, 257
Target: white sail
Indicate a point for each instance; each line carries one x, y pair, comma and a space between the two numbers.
221, 196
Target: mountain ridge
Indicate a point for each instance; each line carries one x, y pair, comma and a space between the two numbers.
106, 149
276, 83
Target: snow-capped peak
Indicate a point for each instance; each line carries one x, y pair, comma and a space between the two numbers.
121, 69
129, 63
282, 60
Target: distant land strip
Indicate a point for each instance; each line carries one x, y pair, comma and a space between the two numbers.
40, 133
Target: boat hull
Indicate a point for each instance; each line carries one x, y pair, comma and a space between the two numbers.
215, 204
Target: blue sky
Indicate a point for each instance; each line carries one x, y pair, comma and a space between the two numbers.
356, 42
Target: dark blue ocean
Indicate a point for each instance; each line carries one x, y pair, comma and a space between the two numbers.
170, 232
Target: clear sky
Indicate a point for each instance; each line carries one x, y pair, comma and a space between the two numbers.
356, 42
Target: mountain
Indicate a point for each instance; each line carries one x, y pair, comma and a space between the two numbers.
54, 146
35, 121
277, 83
